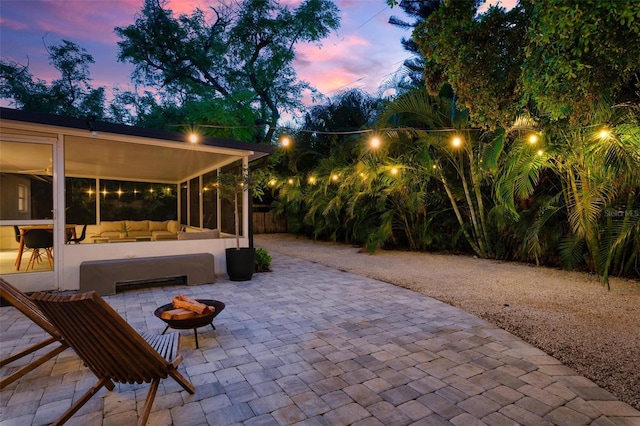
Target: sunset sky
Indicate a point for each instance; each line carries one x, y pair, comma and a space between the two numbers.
363, 53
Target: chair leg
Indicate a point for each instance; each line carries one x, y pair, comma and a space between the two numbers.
49, 251
83, 400
33, 364
38, 255
27, 351
182, 381
35, 254
148, 403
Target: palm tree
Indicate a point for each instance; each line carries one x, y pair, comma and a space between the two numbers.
598, 168
457, 156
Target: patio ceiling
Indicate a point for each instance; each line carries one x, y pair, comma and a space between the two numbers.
111, 160
117, 152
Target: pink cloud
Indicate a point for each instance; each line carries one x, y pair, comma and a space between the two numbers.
364, 52
507, 4
11, 24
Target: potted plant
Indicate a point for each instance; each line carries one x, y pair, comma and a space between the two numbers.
240, 261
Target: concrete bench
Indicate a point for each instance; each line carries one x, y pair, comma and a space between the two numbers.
105, 276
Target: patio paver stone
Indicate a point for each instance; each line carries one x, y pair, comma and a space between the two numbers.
309, 345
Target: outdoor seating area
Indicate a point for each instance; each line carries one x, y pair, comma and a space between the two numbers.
310, 344
148, 229
84, 189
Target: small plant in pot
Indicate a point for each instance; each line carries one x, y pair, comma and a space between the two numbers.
240, 261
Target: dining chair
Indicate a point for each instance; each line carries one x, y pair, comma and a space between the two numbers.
81, 238
16, 230
37, 240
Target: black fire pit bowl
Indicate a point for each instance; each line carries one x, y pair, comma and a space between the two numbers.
187, 323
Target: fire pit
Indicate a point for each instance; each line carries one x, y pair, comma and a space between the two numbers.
193, 322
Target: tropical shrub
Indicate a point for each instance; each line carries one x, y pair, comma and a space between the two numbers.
263, 260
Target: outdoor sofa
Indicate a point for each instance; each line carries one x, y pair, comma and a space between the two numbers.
156, 230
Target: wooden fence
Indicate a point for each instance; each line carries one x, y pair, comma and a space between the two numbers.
265, 222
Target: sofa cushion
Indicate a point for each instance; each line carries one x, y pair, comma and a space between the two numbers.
138, 234
111, 226
173, 226
138, 226
110, 234
163, 235
204, 235
155, 225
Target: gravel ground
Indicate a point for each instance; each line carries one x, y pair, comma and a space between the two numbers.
569, 315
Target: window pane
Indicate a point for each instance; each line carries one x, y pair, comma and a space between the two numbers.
184, 200
123, 200
227, 223
80, 201
210, 200
26, 184
194, 202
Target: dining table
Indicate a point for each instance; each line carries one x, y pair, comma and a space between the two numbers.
70, 229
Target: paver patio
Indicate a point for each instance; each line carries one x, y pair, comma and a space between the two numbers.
311, 345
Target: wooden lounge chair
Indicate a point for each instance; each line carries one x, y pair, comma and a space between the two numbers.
21, 302
111, 348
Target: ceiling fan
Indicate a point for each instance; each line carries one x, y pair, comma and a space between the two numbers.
45, 171
42, 171
39, 173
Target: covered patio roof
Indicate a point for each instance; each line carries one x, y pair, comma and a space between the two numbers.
114, 151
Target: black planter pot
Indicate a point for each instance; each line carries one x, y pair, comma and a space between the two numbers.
241, 263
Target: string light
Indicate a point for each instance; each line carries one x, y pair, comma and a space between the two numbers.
311, 180
456, 141
540, 152
375, 142
286, 141
394, 171
604, 133
334, 177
